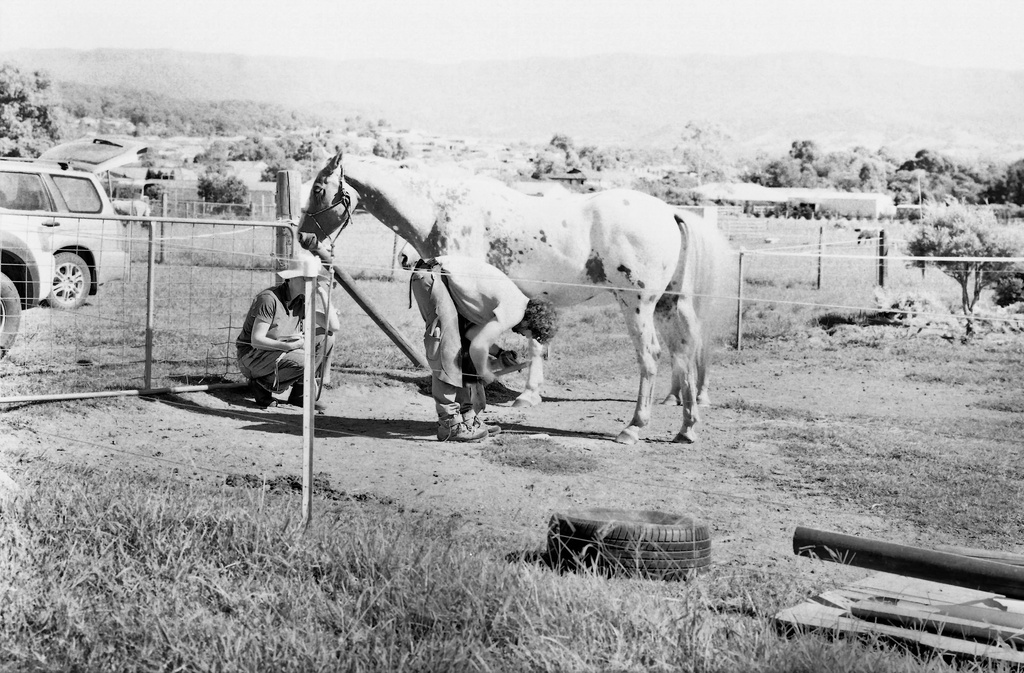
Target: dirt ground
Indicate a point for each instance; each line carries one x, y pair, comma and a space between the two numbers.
376, 441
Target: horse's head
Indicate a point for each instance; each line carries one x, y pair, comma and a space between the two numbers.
330, 203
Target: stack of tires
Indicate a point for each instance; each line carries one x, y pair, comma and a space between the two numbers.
648, 544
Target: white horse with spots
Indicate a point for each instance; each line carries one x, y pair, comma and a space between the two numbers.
661, 265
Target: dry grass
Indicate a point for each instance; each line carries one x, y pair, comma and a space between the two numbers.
110, 571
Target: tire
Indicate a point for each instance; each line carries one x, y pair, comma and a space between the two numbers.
10, 314
647, 544
71, 282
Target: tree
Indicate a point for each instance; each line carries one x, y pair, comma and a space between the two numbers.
702, 150
958, 230
28, 118
564, 144
216, 186
1015, 183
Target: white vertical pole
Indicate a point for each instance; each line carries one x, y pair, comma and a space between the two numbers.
821, 251
150, 303
309, 388
739, 306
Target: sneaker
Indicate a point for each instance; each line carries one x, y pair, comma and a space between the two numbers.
296, 398
262, 396
455, 430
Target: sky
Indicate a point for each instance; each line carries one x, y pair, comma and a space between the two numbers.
946, 33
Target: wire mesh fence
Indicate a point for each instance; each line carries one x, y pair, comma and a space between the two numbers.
169, 305
168, 316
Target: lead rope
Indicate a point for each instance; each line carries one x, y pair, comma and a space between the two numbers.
327, 316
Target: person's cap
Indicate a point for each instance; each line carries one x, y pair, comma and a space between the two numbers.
302, 263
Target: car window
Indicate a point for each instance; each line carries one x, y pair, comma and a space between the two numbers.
79, 193
23, 191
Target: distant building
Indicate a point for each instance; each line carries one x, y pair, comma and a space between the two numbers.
758, 199
573, 176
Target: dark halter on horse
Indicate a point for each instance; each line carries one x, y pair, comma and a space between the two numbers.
342, 198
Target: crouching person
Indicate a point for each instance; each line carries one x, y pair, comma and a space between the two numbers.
270, 346
466, 305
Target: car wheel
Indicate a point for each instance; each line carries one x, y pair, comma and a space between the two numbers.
647, 544
71, 282
10, 314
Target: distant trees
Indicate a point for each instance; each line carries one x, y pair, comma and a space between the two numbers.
391, 148
155, 114
1014, 183
28, 116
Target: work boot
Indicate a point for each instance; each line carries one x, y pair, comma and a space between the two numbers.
262, 396
455, 429
296, 398
473, 421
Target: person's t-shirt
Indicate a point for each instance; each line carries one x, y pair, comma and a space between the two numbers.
269, 307
481, 292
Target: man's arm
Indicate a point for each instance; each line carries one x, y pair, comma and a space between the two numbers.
259, 339
481, 338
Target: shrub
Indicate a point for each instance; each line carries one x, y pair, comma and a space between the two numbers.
1009, 289
958, 231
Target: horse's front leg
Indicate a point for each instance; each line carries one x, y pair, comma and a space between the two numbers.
640, 324
534, 377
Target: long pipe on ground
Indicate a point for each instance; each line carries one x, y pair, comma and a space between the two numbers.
925, 564
118, 393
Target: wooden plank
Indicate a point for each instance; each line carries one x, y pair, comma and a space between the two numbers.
811, 616
925, 592
910, 561
984, 623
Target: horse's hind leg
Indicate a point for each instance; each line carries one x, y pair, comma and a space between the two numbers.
639, 315
688, 364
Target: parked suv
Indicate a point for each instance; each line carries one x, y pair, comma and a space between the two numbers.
48, 251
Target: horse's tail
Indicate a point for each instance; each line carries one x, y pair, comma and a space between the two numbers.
704, 278
706, 271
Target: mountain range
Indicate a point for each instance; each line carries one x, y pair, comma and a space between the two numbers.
762, 103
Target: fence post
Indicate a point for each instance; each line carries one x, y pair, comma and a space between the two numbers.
150, 303
165, 211
881, 257
739, 306
289, 197
821, 251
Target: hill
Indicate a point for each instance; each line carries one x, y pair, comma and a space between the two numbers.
763, 102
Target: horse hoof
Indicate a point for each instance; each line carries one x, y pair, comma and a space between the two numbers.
526, 400
672, 399
688, 437
628, 436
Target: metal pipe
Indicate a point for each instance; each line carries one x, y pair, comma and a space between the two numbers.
118, 393
924, 564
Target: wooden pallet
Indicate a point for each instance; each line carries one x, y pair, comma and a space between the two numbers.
943, 617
